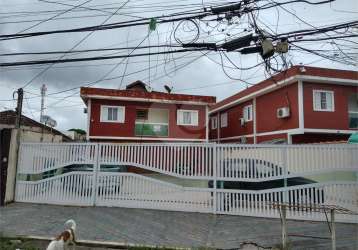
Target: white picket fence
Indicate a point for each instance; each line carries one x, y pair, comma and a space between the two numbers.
196, 161
210, 162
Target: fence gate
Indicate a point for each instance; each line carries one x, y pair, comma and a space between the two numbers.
83, 174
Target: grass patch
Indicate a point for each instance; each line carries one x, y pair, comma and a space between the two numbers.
13, 244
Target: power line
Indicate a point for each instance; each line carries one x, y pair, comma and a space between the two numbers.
73, 47
36, 62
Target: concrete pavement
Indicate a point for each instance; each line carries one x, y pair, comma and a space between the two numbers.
170, 229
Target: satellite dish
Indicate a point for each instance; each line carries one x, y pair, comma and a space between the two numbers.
168, 89
47, 120
148, 88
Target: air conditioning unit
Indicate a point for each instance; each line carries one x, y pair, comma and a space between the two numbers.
242, 121
283, 112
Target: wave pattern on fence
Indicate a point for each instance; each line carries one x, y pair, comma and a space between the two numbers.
75, 188
196, 161
208, 162
136, 191
260, 203
180, 160
269, 162
40, 157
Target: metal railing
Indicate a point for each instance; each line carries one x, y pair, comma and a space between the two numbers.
206, 162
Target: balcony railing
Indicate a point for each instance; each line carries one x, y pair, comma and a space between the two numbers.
151, 129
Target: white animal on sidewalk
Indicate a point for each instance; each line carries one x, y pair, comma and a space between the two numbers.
67, 237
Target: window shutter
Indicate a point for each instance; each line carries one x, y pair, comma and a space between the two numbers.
194, 118
179, 117
121, 114
329, 99
223, 120
104, 114
317, 100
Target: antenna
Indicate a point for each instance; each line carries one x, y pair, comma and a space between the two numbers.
168, 89
43, 93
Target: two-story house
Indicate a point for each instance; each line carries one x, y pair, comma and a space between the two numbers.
139, 114
300, 105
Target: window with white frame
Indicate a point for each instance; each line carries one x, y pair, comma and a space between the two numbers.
214, 122
112, 114
323, 100
223, 120
187, 117
247, 113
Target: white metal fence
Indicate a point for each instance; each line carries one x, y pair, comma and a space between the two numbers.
210, 162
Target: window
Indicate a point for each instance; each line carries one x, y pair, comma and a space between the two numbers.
142, 114
223, 120
353, 111
323, 100
187, 117
112, 114
247, 113
214, 122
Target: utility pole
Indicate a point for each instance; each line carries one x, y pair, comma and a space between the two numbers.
43, 93
20, 97
13, 166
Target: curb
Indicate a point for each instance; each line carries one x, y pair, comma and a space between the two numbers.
94, 243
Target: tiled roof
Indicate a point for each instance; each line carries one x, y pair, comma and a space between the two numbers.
295, 70
8, 117
85, 92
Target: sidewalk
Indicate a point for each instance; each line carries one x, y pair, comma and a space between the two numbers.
162, 228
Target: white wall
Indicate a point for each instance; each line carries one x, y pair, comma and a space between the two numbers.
25, 136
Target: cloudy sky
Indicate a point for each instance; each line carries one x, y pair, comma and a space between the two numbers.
199, 73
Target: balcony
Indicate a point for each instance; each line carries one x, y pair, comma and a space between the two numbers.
152, 122
151, 129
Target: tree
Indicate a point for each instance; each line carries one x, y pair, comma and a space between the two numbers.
78, 130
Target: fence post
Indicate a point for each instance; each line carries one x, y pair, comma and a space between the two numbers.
95, 174
215, 165
333, 230
285, 172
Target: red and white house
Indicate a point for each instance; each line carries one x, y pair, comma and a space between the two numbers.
300, 105
140, 114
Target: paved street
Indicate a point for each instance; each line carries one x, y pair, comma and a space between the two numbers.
172, 229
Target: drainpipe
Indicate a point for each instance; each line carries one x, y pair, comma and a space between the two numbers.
207, 123
301, 113
218, 126
88, 119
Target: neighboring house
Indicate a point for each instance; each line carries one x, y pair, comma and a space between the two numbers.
76, 134
300, 105
140, 114
30, 131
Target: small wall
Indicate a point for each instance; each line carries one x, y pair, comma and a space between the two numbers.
11, 168
26, 136
30, 136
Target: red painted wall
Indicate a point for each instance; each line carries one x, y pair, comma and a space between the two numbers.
212, 132
126, 129
266, 114
234, 127
267, 105
323, 119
